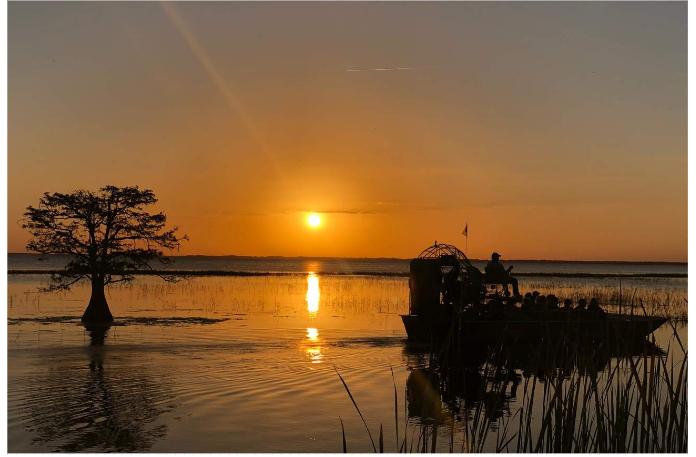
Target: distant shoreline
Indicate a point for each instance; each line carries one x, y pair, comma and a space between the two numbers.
187, 273
273, 257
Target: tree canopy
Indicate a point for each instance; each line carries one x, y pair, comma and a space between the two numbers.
108, 234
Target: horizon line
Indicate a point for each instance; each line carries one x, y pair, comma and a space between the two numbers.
654, 262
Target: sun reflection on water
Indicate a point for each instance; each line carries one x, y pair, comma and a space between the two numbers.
312, 293
313, 351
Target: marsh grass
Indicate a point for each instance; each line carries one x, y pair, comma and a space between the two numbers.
635, 403
404, 274
655, 297
378, 296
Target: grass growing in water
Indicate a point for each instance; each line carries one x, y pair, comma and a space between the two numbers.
572, 401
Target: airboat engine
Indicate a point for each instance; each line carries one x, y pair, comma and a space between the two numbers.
439, 277
424, 285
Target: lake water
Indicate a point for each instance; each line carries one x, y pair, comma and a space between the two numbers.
336, 265
236, 364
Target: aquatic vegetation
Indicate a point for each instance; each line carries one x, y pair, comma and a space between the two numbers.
635, 403
655, 297
346, 295
263, 319
404, 274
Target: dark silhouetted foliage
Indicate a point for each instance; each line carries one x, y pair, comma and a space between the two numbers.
109, 234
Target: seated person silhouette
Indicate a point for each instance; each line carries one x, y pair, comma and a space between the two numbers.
496, 271
594, 307
452, 286
527, 303
551, 302
540, 303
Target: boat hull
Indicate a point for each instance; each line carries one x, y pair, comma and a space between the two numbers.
530, 327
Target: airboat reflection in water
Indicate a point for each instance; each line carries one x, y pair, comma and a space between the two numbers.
451, 300
488, 380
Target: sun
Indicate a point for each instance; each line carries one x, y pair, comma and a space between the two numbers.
314, 220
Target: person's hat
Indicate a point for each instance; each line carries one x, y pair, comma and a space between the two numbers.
495, 255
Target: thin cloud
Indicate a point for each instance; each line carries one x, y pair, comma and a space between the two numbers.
333, 211
385, 69
383, 208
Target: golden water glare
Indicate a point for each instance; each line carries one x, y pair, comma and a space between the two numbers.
314, 350
312, 293
312, 334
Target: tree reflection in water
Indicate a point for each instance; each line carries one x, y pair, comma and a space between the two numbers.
101, 406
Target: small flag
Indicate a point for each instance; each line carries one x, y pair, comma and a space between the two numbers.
466, 230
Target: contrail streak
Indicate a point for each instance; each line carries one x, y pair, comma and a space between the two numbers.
386, 69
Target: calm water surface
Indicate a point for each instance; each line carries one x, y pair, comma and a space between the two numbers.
338, 265
220, 364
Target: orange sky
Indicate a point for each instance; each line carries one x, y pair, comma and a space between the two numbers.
557, 130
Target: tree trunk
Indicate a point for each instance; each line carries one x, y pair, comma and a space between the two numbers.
98, 310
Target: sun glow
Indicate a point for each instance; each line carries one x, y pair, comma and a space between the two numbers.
314, 220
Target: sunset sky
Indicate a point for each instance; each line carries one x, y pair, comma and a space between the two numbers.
557, 130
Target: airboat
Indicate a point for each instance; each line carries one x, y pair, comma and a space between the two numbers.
449, 298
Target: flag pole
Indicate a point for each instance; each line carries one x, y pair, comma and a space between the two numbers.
466, 235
